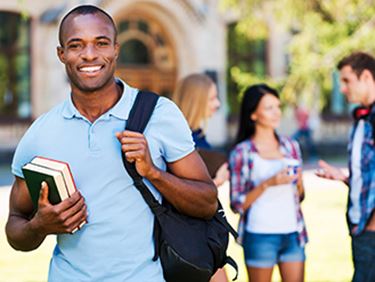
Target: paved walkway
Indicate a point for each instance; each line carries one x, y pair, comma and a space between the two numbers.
5, 189
6, 177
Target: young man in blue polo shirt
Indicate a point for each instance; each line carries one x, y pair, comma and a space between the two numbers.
86, 131
357, 73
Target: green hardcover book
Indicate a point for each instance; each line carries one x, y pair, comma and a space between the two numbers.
35, 175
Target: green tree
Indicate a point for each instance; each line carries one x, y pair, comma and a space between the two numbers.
321, 32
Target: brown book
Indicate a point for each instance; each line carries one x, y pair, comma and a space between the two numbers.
213, 160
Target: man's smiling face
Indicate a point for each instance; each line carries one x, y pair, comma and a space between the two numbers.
89, 51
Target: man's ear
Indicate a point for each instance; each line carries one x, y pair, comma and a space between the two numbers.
60, 54
366, 75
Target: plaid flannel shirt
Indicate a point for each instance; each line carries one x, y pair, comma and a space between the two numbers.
241, 164
367, 195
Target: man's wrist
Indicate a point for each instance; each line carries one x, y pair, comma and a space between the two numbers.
34, 228
265, 185
270, 182
154, 174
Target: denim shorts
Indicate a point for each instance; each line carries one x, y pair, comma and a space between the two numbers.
266, 250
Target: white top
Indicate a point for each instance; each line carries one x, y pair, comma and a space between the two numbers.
356, 179
274, 211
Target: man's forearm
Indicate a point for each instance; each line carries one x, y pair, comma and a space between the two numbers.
22, 234
192, 197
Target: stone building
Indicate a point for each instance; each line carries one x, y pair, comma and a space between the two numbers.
161, 41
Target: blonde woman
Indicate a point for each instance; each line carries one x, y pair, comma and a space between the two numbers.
197, 97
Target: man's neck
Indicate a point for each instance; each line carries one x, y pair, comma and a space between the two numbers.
92, 105
370, 99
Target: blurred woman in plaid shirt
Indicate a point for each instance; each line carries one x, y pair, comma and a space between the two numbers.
266, 189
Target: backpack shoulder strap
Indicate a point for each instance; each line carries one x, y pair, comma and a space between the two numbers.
141, 111
139, 116
232, 262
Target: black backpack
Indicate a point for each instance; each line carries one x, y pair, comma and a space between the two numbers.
190, 249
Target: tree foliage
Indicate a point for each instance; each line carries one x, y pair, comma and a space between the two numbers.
321, 33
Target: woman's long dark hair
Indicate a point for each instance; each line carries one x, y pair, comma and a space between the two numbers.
250, 101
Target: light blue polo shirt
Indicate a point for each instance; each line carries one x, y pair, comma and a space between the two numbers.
116, 244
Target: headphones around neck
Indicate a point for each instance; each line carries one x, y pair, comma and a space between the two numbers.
361, 112
367, 113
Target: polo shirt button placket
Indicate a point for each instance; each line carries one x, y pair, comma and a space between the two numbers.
93, 145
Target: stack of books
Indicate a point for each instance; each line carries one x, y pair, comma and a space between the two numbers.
56, 174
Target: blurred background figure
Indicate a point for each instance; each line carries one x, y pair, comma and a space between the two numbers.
357, 76
304, 134
196, 95
266, 189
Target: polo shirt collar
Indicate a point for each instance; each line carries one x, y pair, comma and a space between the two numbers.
69, 110
120, 110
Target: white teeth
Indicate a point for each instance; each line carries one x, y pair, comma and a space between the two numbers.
90, 69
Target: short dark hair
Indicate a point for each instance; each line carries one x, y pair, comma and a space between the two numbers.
85, 10
358, 61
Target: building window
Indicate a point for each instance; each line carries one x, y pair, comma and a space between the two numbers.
249, 56
134, 52
14, 66
146, 58
144, 43
337, 107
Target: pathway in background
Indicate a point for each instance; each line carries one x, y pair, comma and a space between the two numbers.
6, 177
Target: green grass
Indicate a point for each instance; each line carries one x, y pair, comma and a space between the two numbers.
328, 252
24, 266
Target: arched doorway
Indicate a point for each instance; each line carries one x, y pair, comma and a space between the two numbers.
147, 59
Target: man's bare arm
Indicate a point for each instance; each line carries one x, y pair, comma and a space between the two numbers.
330, 172
187, 185
19, 230
26, 233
